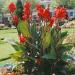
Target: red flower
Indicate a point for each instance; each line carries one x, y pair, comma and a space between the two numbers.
38, 61
60, 12
24, 17
38, 6
15, 20
22, 39
52, 20
27, 5
12, 7
40, 10
26, 11
46, 14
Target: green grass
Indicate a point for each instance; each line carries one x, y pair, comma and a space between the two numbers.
10, 33
5, 48
70, 30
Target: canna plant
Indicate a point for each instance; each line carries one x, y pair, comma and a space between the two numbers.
41, 41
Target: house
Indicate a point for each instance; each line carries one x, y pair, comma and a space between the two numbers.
45, 1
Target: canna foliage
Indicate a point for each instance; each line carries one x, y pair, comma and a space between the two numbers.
43, 51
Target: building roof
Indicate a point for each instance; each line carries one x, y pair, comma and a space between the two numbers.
45, 1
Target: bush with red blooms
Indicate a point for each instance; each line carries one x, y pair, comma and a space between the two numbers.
41, 40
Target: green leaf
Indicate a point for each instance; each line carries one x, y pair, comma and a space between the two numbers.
17, 56
63, 34
5, 59
34, 31
66, 57
46, 38
65, 47
23, 27
51, 55
18, 46
69, 67
52, 30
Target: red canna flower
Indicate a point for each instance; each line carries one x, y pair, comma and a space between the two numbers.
27, 5
60, 12
52, 20
24, 17
12, 7
26, 11
46, 14
22, 39
38, 6
15, 20
40, 10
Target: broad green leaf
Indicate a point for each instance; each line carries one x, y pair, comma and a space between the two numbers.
65, 47
66, 57
51, 55
46, 37
34, 31
63, 34
17, 56
23, 27
18, 46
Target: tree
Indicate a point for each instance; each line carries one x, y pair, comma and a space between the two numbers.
33, 2
71, 4
1, 5
67, 3
53, 4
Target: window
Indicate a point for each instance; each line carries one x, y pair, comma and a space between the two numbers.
71, 13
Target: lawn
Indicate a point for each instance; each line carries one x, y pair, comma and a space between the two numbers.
6, 48
70, 30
